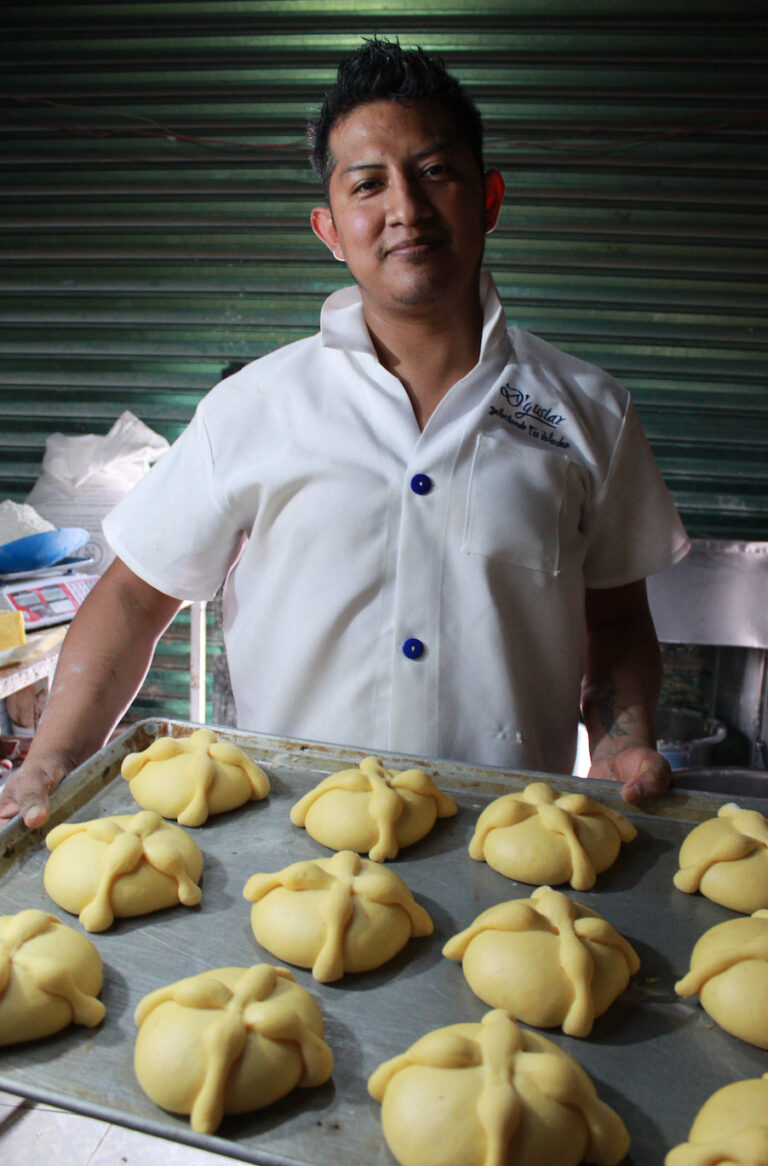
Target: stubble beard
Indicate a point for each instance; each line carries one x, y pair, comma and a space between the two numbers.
423, 292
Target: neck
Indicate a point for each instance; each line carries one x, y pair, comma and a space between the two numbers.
428, 355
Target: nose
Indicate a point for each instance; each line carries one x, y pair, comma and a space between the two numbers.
407, 201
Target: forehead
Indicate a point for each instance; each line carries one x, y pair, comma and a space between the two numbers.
379, 129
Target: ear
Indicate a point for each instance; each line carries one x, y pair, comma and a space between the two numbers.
325, 229
494, 196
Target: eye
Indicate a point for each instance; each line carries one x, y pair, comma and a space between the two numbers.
435, 170
365, 186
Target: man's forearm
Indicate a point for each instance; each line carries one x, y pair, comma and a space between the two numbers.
621, 690
104, 659
101, 667
622, 681
617, 714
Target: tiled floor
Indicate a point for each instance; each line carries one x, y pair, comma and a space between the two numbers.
32, 1134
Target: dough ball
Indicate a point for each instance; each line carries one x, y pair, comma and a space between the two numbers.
334, 915
546, 960
372, 810
230, 1040
729, 971
493, 1092
541, 837
50, 976
188, 778
731, 1127
726, 858
130, 864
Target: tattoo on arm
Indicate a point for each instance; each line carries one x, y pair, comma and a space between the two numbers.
616, 719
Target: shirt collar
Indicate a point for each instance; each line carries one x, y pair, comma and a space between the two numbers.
342, 324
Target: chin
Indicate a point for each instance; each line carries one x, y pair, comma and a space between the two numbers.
427, 291
417, 299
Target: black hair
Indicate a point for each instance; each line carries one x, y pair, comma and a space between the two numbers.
380, 70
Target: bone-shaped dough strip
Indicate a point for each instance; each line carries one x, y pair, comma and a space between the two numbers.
168, 860
567, 1083
748, 833
753, 949
58, 981
21, 928
229, 754
122, 856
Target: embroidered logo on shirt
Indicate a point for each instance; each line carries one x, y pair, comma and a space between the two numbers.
537, 420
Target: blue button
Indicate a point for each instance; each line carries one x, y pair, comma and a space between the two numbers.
421, 483
413, 648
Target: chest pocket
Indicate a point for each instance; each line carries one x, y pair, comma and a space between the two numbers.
515, 504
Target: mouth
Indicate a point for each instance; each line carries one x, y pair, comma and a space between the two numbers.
414, 248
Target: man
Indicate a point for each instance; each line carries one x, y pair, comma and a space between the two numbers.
434, 530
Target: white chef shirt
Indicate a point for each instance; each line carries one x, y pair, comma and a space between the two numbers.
343, 532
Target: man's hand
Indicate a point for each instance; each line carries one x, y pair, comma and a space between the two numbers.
104, 659
26, 791
643, 772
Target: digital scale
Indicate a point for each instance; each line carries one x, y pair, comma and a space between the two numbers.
45, 597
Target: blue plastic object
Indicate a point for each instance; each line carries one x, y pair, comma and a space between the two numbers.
40, 550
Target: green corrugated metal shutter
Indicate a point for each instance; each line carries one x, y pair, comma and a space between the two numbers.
155, 196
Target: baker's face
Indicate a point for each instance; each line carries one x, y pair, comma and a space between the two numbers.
409, 208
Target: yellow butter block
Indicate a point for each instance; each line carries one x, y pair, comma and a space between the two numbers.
12, 631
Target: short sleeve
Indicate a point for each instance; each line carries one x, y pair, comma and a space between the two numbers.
633, 528
172, 530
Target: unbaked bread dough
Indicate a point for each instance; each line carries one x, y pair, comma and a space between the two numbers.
372, 810
731, 1128
229, 1040
334, 915
50, 976
542, 837
726, 858
492, 1093
729, 971
130, 864
188, 778
546, 960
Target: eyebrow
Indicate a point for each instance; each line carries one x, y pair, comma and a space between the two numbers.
432, 148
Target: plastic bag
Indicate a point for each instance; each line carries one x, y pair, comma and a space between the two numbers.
85, 476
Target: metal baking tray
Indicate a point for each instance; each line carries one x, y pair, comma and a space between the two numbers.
653, 1057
